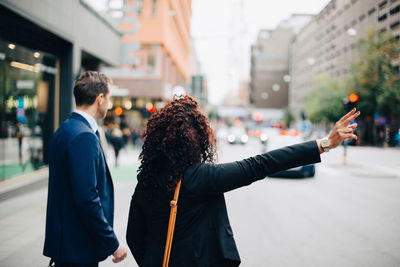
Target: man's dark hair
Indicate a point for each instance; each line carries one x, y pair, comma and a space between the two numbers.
88, 86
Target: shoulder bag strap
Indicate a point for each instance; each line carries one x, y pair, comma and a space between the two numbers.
171, 225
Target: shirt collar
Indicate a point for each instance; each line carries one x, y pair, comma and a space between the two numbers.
92, 122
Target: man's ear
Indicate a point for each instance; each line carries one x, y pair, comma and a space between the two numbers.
100, 98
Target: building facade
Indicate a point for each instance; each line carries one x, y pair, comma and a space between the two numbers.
327, 44
155, 51
44, 46
155, 55
269, 71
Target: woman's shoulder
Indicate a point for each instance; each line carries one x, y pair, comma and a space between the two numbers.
197, 177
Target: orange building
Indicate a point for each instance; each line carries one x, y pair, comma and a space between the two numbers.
155, 48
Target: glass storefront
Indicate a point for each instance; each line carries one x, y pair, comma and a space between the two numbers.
27, 92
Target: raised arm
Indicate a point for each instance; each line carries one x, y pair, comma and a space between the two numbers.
219, 178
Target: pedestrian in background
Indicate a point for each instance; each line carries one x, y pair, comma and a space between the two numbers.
179, 148
80, 204
117, 142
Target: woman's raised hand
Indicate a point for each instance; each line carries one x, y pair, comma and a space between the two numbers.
342, 130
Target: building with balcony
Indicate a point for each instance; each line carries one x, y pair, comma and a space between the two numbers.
327, 44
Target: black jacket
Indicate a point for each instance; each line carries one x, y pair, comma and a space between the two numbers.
203, 235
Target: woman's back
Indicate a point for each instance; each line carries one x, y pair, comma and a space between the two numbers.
202, 235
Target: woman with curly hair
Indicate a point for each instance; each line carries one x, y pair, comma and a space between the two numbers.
179, 144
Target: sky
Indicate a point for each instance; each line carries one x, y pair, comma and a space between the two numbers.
223, 31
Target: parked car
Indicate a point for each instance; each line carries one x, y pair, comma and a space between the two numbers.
298, 172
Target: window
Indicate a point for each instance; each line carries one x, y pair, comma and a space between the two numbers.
394, 10
371, 11
382, 18
139, 7
382, 5
27, 113
154, 7
395, 25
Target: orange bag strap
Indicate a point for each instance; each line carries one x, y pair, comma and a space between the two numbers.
171, 224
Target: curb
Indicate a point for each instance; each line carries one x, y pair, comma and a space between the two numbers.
25, 183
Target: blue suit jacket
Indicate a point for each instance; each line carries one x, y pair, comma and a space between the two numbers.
80, 205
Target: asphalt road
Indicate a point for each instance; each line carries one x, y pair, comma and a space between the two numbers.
347, 215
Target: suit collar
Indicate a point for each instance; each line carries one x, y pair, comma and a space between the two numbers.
89, 118
79, 117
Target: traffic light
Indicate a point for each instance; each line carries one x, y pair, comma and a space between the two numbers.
118, 111
150, 107
353, 98
352, 101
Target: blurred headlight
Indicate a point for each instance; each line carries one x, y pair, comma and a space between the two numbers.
244, 138
264, 137
231, 138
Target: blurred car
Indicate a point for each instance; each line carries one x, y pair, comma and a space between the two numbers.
298, 172
237, 135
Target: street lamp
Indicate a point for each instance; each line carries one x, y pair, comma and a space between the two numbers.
264, 95
276, 87
311, 61
287, 78
352, 32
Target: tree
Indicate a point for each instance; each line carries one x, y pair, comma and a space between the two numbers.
373, 76
324, 103
288, 117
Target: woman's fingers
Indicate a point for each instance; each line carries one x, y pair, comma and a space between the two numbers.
353, 126
347, 115
351, 118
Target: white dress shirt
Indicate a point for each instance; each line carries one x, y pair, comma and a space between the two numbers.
92, 122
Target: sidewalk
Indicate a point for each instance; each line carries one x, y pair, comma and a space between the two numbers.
367, 162
22, 215
17, 186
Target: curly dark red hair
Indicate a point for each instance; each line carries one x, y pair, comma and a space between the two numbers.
176, 137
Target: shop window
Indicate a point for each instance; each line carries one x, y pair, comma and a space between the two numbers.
27, 82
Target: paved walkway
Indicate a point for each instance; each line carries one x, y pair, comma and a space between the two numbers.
22, 218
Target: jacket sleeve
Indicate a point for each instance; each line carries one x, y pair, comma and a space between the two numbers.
219, 178
136, 230
84, 156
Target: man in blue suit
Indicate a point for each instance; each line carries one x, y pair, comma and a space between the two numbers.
80, 205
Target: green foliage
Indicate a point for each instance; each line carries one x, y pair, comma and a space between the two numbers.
288, 117
324, 103
373, 77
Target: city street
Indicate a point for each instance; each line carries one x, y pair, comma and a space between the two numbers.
347, 215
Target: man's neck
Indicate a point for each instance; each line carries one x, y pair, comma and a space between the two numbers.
89, 110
